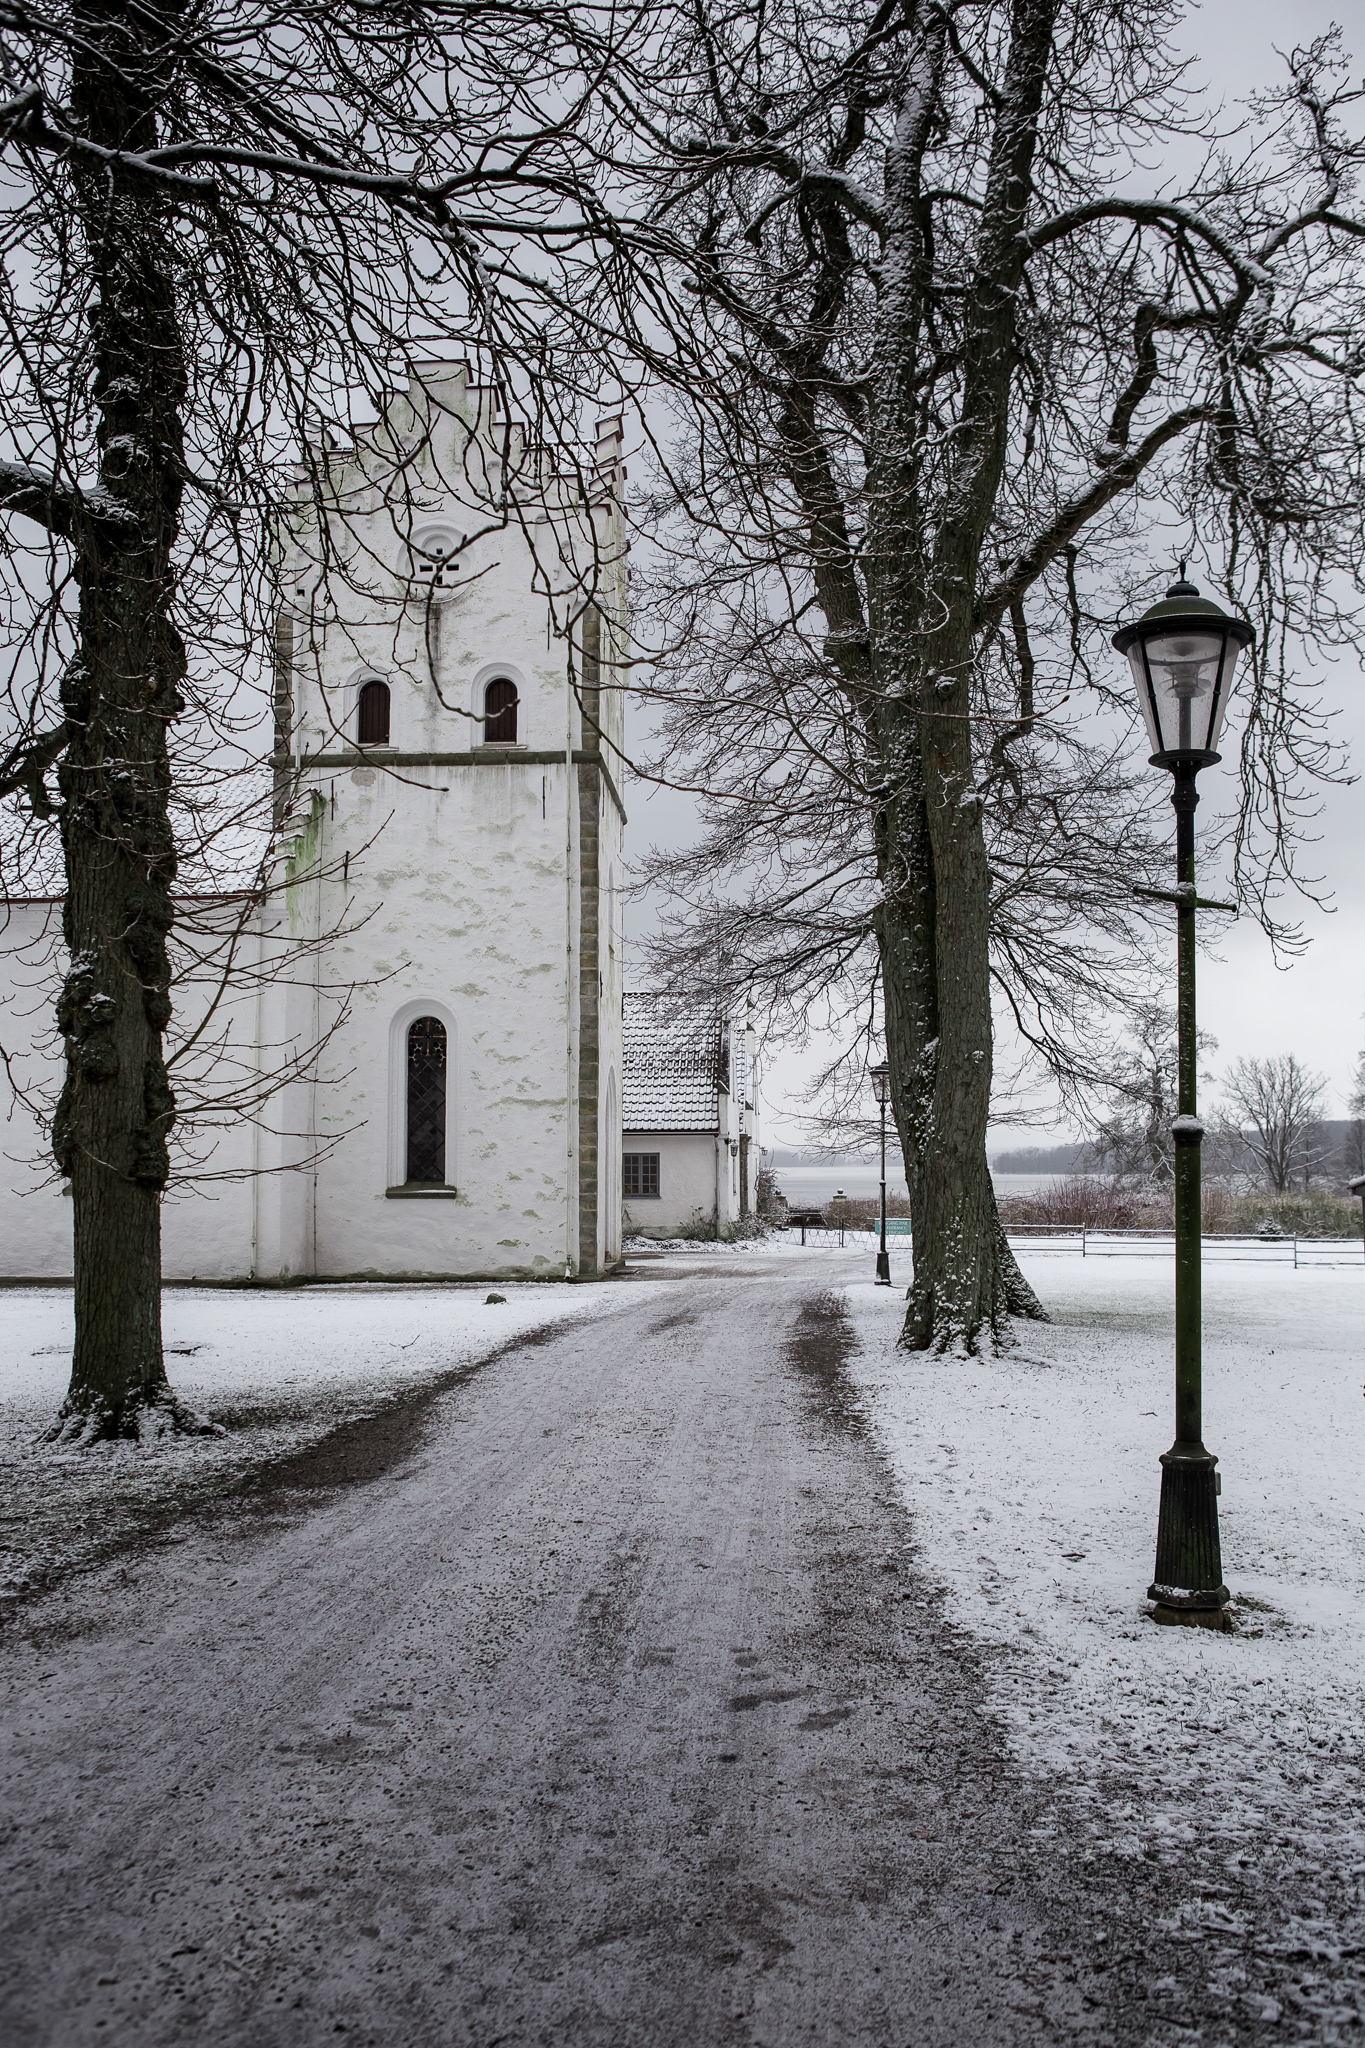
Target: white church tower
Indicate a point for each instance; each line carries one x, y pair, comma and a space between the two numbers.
439, 960
450, 671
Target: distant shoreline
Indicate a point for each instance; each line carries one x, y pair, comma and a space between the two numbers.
813, 1184
1050, 1159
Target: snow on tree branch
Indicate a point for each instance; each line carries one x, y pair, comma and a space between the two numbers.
61, 509
1251, 270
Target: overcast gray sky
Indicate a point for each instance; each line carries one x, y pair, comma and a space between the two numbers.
1315, 1005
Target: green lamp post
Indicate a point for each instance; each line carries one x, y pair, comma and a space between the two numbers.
1183, 654
880, 1078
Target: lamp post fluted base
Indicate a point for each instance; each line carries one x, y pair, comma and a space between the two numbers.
1217, 1618
1188, 1583
883, 1269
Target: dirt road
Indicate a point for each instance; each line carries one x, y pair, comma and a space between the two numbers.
612, 1712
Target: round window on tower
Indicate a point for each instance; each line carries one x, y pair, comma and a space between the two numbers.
436, 559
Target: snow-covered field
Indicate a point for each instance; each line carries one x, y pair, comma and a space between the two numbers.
1034, 1480
282, 1369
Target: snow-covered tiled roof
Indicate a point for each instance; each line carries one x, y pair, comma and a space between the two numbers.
671, 1068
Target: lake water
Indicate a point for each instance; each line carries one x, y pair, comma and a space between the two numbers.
810, 1187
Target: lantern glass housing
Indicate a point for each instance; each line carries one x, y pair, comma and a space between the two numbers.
1183, 654
880, 1078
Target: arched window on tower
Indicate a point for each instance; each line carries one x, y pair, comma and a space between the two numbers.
427, 1101
372, 722
500, 713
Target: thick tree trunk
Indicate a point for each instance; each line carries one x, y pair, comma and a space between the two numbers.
905, 925
119, 696
933, 924
967, 1283
934, 950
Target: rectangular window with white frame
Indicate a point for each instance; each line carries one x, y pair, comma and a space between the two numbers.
639, 1174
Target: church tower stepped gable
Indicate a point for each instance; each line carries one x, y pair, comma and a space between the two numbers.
455, 675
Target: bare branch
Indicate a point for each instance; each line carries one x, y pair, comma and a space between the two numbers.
1079, 512
1249, 270
25, 764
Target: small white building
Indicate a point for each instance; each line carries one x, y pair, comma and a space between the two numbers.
690, 1121
437, 970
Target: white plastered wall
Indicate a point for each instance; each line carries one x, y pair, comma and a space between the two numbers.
448, 885
688, 1173
459, 907
206, 1225
458, 878
35, 1230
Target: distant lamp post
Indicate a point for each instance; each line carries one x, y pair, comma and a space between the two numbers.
839, 1209
880, 1078
1183, 653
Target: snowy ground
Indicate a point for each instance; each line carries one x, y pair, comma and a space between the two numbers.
1233, 1763
281, 1370
1034, 1479
598, 1719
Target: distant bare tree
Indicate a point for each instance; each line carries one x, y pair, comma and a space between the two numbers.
1133, 1139
1355, 1134
227, 231
1275, 1107
950, 378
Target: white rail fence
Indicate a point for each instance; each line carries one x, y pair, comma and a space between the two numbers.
1221, 1247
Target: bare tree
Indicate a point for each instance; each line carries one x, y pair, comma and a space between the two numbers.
1355, 1131
947, 379
227, 232
1275, 1107
1133, 1138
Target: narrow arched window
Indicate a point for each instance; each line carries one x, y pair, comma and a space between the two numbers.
500, 713
427, 1100
372, 728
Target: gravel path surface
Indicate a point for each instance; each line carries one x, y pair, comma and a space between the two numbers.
603, 1707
